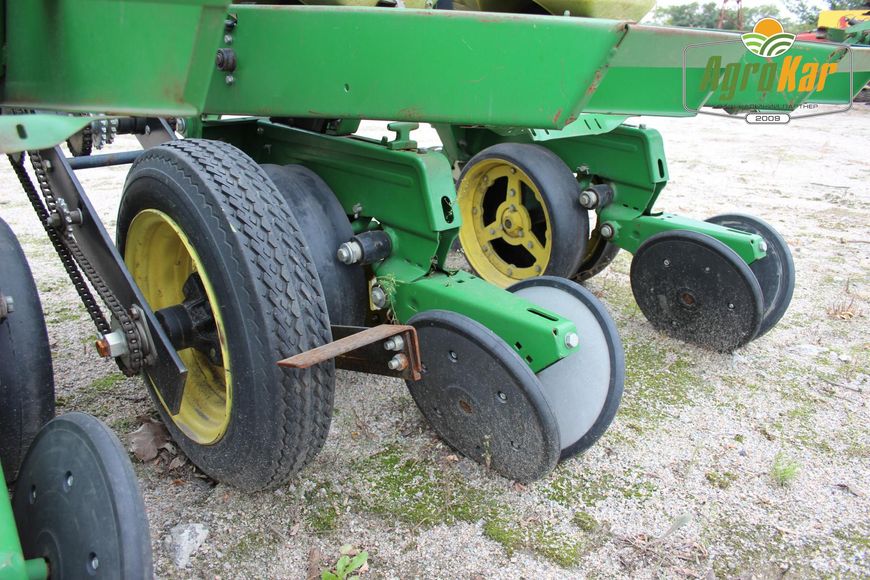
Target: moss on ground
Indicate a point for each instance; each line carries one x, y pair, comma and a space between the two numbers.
656, 380
722, 480
322, 508
587, 489
106, 383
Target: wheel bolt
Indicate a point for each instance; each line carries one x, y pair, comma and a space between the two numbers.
572, 340
379, 297
398, 363
607, 231
589, 199
395, 343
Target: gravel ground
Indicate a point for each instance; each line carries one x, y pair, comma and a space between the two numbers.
751, 464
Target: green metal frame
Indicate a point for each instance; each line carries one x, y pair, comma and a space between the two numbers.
13, 566
410, 194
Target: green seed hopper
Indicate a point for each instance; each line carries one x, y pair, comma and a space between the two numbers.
261, 244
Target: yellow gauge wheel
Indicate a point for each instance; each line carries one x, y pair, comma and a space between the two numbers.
521, 217
221, 260
161, 259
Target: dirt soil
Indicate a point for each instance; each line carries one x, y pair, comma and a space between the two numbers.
756, 463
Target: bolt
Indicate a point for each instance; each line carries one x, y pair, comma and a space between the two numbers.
667, 263
513, 192
589, 199
492, 231
181, 125
607, 231
69, 479
379, 297
583, 170
394, 343
7, 306
112, 345
47, 164
357, 209
531, 245
538, 269
572, 340
730, 307
147, 129
95, 562
349, 252
398, 363
230, 79
763, 246
226, 59
514, 170
228, 38
502, 396
474, 211
510, 271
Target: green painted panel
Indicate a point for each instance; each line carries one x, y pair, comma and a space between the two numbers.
115, 56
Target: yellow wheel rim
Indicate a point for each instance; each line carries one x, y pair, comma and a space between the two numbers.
505, 233
161, 259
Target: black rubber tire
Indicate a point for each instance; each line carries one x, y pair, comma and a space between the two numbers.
78, 503
559, 190
599, 255
272, 303
775, 272
26, 398
325, 227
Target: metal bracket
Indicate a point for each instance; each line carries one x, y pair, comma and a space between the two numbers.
389, 349
403, 141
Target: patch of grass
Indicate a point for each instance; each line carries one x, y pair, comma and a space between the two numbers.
784, 470
249, 545
585, 521
106, 383
322, 508
543, 539
418, 492
588, 489
722, 480
61, 314
656, 379
125, 425
508, 534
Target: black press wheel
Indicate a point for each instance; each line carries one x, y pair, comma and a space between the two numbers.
203, 229
78, 506
520, 214
26, 398
325, 227
482, 398
695, 288
775, 272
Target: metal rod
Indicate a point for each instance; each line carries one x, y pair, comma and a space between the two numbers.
93, 161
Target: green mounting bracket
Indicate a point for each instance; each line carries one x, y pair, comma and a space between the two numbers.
403, 141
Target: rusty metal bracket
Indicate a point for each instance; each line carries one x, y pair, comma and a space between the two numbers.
389, 349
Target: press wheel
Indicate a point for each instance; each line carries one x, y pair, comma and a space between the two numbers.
775, 272
584, 389
695, 288
520, 214
26, 398
482, 398
221, 259
77, 503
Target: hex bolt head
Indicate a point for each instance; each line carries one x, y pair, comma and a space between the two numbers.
589, 199
763, 246
379, 297
398, 363
395, 343
607, 231
230, 79
572, 340
349, 252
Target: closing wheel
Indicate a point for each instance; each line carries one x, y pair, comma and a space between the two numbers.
221, 259
584, 389
520, 214
775, 272
77, 503
26, 398
482, 399
695, 288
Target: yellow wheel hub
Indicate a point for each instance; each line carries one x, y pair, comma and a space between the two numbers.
505, 233
161, 259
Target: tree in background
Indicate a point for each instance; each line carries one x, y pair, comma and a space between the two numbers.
807, 12
706, 15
